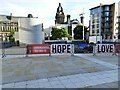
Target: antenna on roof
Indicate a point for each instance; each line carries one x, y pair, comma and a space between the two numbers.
10, 14
101, 4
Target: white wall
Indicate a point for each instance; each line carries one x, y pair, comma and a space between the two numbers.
16, 36
30, 31
115, 31
95, 39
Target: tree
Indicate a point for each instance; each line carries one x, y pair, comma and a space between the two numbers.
78, 32
54, 33
11, 36
59, 33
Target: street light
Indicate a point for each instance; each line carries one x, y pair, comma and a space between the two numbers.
100, 27
82, 21
50, 27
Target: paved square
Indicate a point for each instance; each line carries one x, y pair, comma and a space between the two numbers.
61, 71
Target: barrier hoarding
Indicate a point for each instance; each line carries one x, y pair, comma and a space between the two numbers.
62, 48
104, 48
38, 49
82, 46
117, 48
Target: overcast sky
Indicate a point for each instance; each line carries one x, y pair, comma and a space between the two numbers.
46, 9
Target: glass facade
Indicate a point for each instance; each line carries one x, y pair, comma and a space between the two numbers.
96, 15
102, 20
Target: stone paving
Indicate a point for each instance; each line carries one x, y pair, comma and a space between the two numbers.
106, 85
77, 71
71, 81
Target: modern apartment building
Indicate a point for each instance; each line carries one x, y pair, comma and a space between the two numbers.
103, 21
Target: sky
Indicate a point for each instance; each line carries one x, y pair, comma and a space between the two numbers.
45, 10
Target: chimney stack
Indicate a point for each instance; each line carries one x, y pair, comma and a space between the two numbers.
68, 19
81, 19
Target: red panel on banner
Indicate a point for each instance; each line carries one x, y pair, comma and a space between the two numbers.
117, 48
38, 49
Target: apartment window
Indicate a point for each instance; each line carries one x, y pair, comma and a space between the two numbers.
93, 31
93, 21
93, 26
107, 25
97, 20
106, 18
107, 8
93, 16
96, 16
107, 13
97, 25
97, 30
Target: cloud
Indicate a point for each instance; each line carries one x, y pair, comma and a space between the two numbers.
46, 9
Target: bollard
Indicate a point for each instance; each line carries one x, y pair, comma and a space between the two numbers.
3, 50
72, 54
50, 50
94, 49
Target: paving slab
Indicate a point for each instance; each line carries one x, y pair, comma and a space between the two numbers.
70, 81
78, 71
28, 68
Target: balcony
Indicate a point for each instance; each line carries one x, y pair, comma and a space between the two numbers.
106, 21
103, 16
105, 10
106, 27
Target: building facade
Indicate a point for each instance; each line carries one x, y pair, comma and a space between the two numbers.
60, 21
6, 25
103, 21
119, 20
27, 30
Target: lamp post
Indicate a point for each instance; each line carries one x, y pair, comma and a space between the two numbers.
82, 21
100, 21
50, 27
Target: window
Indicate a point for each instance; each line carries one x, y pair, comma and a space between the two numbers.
1, 28
93, 31
97, 20
107, 8
93, 21
106, 25
93, 16
15, 29
93, 26
97, 30
107, 13
8, 28
106, 18
97, 25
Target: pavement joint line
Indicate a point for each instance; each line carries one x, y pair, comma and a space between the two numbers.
98, 61
101, 76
